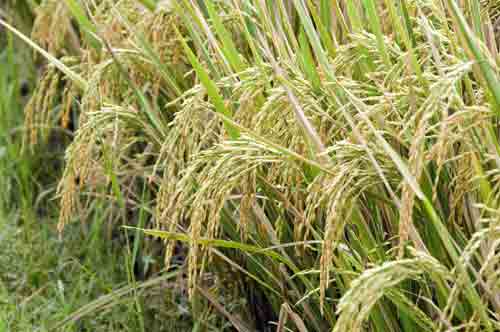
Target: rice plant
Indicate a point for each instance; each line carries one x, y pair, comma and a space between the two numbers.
335, 164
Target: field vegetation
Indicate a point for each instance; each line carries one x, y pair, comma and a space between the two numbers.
250, 165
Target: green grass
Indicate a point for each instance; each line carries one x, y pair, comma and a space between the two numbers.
307, 165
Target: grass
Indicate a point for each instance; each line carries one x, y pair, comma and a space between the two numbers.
293, 165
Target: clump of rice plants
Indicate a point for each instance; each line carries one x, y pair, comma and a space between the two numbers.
333, 163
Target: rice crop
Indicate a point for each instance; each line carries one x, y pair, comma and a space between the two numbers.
322, 165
